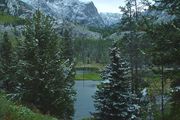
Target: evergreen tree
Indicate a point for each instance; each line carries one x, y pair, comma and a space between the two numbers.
113, 99
69, 64
164, 34
167, 48
67, 46
6, 60
41, 72
132, 42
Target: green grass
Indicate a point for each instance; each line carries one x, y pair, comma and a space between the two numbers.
88, 76
88, 119
8, 19
94, 71
11, 111
93, 66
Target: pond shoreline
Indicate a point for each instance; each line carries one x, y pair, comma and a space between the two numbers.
87, 74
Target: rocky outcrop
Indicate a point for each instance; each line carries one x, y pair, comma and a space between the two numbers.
71, 10
81, 15
111, 18
16, 8
85, 33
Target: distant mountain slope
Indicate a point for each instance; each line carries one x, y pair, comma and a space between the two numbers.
16, 8
80, 15
71, 10
111, 18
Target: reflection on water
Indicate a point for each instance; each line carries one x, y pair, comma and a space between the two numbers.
84, 103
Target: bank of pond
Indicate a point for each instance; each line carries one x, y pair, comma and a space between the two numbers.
88, 73
14, 111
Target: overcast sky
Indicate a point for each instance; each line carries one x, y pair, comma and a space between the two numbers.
107, 5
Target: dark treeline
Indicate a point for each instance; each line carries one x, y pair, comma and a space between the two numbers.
90, 51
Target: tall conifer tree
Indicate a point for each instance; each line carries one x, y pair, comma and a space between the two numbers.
113, 99
42, 73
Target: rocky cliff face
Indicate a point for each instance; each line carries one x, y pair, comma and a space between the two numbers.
76, 12
71, 10
16, 8
110, 18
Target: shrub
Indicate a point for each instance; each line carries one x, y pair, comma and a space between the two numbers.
11, 111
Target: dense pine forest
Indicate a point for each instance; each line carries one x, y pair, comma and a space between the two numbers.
77, 67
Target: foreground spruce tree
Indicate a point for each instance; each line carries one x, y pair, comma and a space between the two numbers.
42, 74
113, 100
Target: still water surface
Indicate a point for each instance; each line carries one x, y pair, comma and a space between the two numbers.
84, 103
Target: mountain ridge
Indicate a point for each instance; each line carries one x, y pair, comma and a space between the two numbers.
84, 13
79, 15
